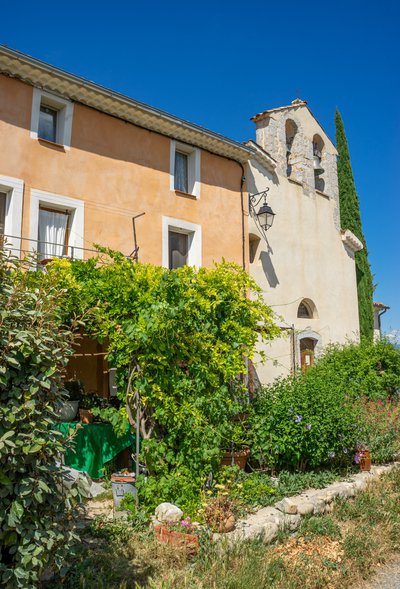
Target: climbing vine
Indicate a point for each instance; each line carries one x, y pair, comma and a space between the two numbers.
180, 339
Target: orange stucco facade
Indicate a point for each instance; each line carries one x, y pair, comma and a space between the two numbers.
119, 170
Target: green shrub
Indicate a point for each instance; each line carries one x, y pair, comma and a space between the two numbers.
381, 426
179, 338
316, 419
178, 486
368, 369
304, 423
35, 531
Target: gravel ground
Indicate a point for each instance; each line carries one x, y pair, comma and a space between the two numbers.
386, 577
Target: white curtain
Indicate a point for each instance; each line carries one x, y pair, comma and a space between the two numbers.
181, 172
52, 233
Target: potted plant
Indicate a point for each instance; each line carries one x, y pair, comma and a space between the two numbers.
239, 450
73, 394
182, 534
219, 514
89, 402
363, 457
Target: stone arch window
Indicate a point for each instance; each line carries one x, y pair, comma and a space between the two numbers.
318, 157
306, 309
290, 134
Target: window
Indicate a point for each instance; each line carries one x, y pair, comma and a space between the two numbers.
307, 353
185, 169
51, 118
3, 202
56, 225
181, 172
290, 132
47, 123
11, 198
52, 233
178, 249
181, 243
306, 309
318, 147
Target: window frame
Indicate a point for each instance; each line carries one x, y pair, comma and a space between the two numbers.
193, 164
64, 109
55, 121
59, 203
60, 211
192, 230
186, 160
14, 189
187, 245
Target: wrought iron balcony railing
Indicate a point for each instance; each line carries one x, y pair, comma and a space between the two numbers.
21, 246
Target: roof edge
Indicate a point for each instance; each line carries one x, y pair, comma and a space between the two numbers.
49, 77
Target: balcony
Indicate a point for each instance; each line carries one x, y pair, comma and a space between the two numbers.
46, 251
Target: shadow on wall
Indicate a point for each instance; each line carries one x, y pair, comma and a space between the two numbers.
268, 267
269, 177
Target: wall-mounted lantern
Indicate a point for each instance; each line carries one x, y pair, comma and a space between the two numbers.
265, 215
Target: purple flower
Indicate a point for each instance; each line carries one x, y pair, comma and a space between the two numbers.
298, 418
308, 426
186, 523
357, 458
331, 455
345, 450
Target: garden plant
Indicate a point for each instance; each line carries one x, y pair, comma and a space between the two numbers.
36, 530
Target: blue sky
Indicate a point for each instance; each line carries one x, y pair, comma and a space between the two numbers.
218, 63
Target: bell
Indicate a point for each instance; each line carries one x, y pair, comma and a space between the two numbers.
318, 169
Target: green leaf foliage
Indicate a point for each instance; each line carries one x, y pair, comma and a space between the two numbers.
350, 218
318, 418
180, 338
35, 530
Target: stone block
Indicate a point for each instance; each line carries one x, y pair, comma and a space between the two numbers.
167, 512
305, 508
251, 532
290, 522
319, 505
270, 532
287, 506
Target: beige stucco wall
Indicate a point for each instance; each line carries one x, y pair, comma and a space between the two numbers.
119, 170
303, 256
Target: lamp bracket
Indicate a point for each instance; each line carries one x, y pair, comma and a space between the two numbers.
253, 198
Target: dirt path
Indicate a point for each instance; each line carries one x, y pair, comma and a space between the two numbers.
386, 577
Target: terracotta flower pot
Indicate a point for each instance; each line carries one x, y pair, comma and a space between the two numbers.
86, 416
239, 458
365, 460
188, 541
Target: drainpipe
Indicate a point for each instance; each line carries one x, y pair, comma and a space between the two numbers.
242, 181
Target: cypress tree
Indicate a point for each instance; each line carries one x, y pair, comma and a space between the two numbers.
350, 218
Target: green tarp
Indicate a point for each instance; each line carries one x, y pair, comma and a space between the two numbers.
93, 445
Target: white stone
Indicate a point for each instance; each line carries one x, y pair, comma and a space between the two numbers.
305, 508
290, 522
265, 515
270, 532
319, 505
360, 484
287, 506
167, 512
253, 532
